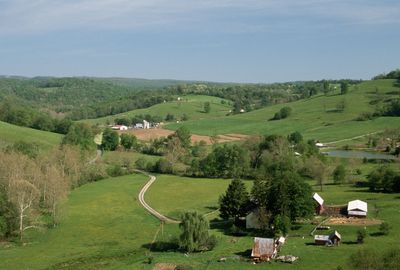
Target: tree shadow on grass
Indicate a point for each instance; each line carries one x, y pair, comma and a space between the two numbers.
311, 244
244, 254
162, 246
376, 234
350, 242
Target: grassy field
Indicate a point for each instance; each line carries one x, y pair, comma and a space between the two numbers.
315, 117
105, 228
191, 105
10, 134
159, 195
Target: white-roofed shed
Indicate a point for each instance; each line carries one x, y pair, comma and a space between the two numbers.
357, 208
318, 199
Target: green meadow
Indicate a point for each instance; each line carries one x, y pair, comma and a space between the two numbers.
191, 105
316, 117
104, 227
10, 134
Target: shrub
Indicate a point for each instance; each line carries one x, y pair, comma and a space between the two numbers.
384, 228
361, 234
283, 113
365, 116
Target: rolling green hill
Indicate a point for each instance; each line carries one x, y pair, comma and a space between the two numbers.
191, 105
11, 133
316, 117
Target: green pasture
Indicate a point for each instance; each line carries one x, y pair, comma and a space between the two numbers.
10, 134
104, 227
172, 195
191, 105
315, 117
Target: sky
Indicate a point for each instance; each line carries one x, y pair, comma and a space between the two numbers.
212, 40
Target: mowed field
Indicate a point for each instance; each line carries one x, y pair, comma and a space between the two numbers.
10, 134
191, 105
316, 117
105, 228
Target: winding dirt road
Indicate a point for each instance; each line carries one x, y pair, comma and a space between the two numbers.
152, 211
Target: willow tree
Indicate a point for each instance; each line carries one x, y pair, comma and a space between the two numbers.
194, 228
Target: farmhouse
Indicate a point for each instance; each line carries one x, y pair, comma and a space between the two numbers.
319, 209
332, 239
119, 127
264, 249
357, 208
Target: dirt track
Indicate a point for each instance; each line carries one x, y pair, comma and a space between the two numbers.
159, 216
154, 133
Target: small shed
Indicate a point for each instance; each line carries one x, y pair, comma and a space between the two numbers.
333, 239
319, 209
357, 208
264, 249
321, 240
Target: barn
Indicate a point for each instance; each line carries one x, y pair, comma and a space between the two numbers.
357, 208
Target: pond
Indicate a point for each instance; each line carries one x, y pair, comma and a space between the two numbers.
358, 154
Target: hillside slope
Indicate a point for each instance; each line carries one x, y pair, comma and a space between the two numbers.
191, 105
11, 133
316, 117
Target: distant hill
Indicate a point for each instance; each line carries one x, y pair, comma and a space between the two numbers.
143, 84
10, 134
316, 117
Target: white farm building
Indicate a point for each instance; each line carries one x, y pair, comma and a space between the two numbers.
357, 208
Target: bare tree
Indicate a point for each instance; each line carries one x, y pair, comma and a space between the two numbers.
317, 170
25, 196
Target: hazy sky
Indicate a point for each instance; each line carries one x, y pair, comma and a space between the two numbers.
215, 40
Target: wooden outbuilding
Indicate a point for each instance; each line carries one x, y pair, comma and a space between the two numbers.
264, 249
333, 239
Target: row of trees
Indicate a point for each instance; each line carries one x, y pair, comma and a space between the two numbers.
384, 179
21, 115
32, 187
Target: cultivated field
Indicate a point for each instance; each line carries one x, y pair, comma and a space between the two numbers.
155, 133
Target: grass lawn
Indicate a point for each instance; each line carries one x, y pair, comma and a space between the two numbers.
11, 133
191, 105
315, 117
